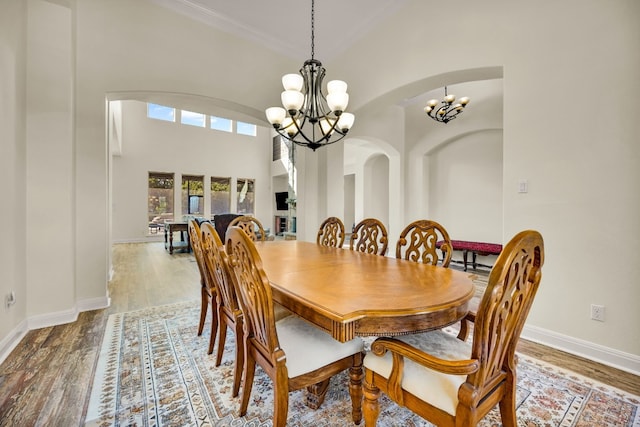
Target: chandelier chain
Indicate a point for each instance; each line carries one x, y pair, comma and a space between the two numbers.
313, 27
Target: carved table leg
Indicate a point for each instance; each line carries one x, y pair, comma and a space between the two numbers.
356, 374
316, 393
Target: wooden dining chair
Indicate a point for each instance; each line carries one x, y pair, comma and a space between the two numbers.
228, 309
425, 241
249, 224
294, 353
451, 382
331, 233
369, 236
208, 289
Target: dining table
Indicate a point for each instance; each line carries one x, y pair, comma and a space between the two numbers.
349, 293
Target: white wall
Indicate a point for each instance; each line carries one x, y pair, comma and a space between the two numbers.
349, 218
376, 189
158, 146
50, 171
13, 72
465, 187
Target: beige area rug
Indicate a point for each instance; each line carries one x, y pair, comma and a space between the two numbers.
154, 370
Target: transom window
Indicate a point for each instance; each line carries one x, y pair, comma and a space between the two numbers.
222, 124
243, 128
160, 112
193, 119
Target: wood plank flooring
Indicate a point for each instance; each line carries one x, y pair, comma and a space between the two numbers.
47, 379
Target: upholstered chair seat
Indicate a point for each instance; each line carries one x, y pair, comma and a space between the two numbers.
421, 381
309, 348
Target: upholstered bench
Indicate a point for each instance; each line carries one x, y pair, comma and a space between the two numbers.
476, 248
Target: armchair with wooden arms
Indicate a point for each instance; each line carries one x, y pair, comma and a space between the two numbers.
369, 236
331, 233
293, 352
451, 382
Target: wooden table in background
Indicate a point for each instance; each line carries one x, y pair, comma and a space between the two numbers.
172, 227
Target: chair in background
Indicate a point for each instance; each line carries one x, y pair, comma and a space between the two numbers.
208, 292
451, 382
251, 226
369, 236
228, 309
331, 233
294, 353
222, 221
423, 241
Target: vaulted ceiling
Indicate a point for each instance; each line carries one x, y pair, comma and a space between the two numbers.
285, 25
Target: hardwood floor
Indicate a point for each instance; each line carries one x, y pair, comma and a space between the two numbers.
47, 379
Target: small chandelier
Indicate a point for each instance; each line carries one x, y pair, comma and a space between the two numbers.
309, 118
447, 111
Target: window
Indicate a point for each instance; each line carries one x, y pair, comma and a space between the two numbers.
282, 149
160, 112
220, 195
243, 128
160, 200
219, 123
193, 119
192, 195
246, 196
277, 147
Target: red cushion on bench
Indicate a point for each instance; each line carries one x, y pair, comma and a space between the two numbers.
487, 248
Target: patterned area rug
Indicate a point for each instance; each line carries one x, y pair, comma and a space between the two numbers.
154, 370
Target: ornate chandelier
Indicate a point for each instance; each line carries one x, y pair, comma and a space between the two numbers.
447, 111
309, 118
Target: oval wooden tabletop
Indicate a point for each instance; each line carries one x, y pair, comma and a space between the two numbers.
376, 294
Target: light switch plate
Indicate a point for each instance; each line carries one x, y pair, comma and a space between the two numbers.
523, 186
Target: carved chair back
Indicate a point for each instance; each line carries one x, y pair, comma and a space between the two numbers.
425, 241
369, 236
331, 233
503, 310
249, 224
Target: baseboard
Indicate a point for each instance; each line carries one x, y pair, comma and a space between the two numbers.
145, 239
617, 359
67, 316
12, 340
93, 303
52, 319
